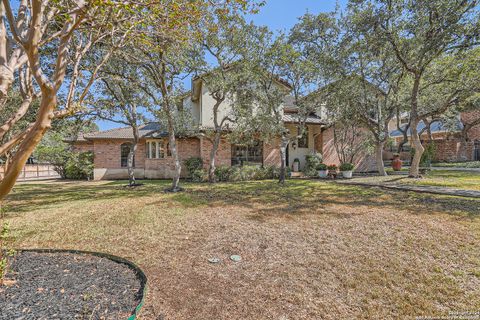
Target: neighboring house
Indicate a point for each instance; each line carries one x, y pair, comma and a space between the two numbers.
450, 146
153, 159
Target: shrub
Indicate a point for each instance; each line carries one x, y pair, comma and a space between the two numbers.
193, 164
346, 166
311, 163
332, 167
199, 175
223, 173
322, 166
79, 166
428, 155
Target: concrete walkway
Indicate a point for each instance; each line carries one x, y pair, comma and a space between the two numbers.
392, 183
456, 169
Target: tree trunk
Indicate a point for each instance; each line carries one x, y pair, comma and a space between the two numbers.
416, 143
283, 159
173, 149
131, 158
379, 158
28, 145
213, 153
419, 149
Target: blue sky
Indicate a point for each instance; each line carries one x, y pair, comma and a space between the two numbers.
277, 15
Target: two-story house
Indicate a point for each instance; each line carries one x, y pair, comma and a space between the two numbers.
153, 159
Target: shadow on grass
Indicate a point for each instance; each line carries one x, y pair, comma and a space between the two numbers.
268, 197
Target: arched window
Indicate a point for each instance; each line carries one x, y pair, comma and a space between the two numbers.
124, 151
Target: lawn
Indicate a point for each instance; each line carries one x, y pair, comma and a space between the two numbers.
446, 178
469, 164
310, 250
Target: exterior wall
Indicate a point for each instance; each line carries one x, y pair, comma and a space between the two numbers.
165, 168
364, 161
271, 153
223, 156
313, 132
449, 145
107, 160
82, 146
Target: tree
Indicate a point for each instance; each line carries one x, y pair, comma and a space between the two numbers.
46, 41
420, 33
120, 99
281, 72
228, 78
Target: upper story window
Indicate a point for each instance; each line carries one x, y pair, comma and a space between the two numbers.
157, 149
303, 141
124, 152
243, 154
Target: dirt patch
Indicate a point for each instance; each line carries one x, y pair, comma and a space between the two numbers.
69, 286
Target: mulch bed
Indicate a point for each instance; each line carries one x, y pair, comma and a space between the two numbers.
63, 285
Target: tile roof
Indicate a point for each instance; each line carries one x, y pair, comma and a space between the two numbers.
436, 126
292, 118
125, 132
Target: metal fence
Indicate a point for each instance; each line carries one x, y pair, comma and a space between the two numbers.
35, 172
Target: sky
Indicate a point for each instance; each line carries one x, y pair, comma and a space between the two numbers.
277, 15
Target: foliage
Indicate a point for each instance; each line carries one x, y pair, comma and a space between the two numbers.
193, 165
346, 166
246, 173
312, 161
322, 167
428, 155
79, 166
199, 175
332, 167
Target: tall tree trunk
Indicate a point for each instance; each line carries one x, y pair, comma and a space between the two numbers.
417, 144
131, 158
283, 159
379, 158
173, 149
32, 139
213, 153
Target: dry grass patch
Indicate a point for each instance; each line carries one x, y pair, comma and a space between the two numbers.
310, 250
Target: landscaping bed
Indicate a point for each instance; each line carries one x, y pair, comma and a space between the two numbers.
66, 285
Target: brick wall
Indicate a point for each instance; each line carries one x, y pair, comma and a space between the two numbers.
223, 156
107, 154
364, 161
82, 146
165, 168
271, 153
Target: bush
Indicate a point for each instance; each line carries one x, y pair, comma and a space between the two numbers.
428, 155
193, 164
79, 166
346, 166
311, 163
199, 175
322, 166
223, 173
332, 167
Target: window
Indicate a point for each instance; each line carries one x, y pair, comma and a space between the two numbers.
124, 152
303, 141
247, 154
157, 149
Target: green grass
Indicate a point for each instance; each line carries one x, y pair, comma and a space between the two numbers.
310, 249
469, 164
464, 180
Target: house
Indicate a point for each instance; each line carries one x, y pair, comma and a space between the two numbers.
153, 159
450, 146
